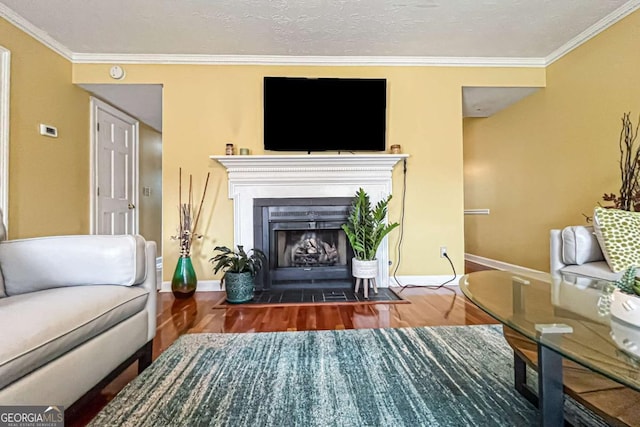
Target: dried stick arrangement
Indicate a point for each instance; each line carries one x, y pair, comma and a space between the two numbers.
629, 197
189, 216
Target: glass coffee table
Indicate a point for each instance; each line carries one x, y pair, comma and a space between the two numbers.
566, 317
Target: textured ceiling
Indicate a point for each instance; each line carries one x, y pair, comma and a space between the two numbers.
424, 28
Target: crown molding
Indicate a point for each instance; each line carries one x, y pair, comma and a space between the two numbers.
409, 61
35, 32
612, 18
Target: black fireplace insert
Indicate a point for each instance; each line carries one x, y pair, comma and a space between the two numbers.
304, 242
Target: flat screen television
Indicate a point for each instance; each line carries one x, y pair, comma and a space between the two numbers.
324, 114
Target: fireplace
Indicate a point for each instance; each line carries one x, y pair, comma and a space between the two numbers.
305, 177
304, 242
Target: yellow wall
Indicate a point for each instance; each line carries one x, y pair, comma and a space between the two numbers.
48, 178
205, 106
150, 175
547, 160
537, 165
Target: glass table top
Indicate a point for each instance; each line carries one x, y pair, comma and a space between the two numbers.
568, 314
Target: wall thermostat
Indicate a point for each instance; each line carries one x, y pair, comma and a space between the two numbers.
116, 72
48, 130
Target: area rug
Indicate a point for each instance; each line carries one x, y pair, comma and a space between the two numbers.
437, 376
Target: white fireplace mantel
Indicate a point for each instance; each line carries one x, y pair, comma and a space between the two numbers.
306, 176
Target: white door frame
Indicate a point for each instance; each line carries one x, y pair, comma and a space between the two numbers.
5, 68
95, 105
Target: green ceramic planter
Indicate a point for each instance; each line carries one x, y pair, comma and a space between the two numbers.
239, 286
184, 281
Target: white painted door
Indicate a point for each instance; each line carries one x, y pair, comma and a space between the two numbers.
115, 169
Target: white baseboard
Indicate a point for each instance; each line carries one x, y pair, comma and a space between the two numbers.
203, 286
504, 266
214, 285
425, 280
433, 280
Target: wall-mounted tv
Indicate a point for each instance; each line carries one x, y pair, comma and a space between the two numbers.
324, 114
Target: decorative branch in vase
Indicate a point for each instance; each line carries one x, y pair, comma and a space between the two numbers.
629, 197
184, 281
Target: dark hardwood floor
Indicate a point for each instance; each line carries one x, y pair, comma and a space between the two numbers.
205, 312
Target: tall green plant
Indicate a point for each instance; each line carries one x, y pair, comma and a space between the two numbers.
366, 227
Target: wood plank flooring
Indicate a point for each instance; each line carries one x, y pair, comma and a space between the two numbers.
203, 313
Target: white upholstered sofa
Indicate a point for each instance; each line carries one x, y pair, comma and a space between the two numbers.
74, 312
575, 250
576, 259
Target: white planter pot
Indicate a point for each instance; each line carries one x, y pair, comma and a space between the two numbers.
364, 269
625, 307
625, 336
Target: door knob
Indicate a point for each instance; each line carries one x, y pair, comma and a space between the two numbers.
131, 206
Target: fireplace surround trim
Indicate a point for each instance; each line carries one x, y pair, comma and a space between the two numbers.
305, 176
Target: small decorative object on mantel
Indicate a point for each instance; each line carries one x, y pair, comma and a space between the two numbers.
240, 269
396, 149
184, 281
244, 151
365, 229
229, 149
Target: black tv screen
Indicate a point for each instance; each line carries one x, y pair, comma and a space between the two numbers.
306, 114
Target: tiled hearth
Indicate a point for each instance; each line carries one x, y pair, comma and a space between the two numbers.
306, 176
322, 296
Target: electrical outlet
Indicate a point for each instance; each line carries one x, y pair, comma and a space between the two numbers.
443, 251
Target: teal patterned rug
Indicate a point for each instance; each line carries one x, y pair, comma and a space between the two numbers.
437, 376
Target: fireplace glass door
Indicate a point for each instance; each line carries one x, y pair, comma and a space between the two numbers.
305, 248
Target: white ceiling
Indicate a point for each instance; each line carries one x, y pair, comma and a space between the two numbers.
143, 102
486, 101
400, 32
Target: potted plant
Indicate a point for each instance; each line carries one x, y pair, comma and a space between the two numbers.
620, 298
365, 228
240, 269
